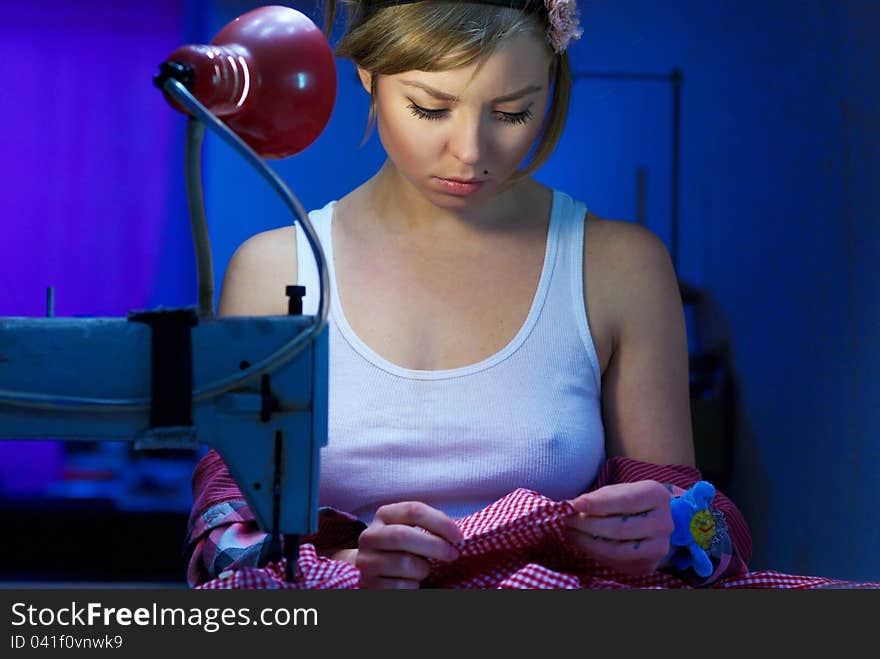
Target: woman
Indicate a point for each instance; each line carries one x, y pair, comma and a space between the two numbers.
487, 332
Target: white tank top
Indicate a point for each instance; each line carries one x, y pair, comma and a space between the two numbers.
459, 439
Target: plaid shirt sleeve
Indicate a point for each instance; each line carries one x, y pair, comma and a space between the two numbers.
223, 535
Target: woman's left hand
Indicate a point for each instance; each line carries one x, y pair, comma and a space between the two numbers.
625, 526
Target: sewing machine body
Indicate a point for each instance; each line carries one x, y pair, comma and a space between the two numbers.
110, 358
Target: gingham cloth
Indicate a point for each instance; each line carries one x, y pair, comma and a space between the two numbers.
313, 572
223, 536
518, 542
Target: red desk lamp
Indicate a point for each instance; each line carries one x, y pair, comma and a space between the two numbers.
266, 84
269, 74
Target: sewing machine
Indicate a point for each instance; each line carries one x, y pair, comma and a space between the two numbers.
253, 388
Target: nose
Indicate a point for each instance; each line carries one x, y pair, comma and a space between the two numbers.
467, 141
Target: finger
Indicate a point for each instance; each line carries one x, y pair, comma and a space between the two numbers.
416, 513
623, 527
601, 545
399, 565
634, 557
391, 584
622, 499
635, 550
400, 538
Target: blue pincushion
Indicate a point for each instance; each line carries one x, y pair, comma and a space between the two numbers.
694, 529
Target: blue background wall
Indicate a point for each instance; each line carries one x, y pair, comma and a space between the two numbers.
779, 210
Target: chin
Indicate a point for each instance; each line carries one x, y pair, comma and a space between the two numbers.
451, 202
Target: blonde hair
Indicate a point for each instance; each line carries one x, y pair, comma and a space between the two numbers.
407, 37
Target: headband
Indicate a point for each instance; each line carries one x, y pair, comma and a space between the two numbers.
562, 16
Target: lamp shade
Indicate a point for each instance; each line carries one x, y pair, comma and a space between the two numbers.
269, 75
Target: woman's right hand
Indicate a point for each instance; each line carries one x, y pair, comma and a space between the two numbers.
393, 551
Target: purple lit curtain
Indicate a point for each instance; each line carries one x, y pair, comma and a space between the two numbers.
92, 193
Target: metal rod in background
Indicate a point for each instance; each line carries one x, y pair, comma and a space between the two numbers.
642, 195
675, 78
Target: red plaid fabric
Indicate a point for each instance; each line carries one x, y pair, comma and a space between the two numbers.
313, 572
518, 542
223, 535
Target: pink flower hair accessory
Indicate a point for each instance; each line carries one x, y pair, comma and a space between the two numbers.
564, 23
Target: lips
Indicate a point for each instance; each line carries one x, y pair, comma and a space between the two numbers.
460, 187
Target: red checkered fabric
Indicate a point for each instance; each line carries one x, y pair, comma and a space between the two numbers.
223, 534
518, 542
313, 572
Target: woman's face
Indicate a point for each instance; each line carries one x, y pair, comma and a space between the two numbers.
456, 136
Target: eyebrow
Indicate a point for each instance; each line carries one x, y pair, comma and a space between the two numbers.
443, 96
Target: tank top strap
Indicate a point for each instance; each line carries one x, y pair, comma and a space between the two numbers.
307, 269
567, 308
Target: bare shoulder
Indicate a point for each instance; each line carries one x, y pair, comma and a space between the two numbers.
626, 247
255, 279
628, 278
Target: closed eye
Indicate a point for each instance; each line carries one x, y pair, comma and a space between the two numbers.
426, 113
513, 118
516, 117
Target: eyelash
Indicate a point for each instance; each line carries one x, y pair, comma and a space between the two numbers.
512, 118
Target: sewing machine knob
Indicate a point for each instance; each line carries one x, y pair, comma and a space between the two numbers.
295, 303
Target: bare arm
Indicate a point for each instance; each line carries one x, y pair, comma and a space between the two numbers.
255, 279
645, 391
254, 284
640, 333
